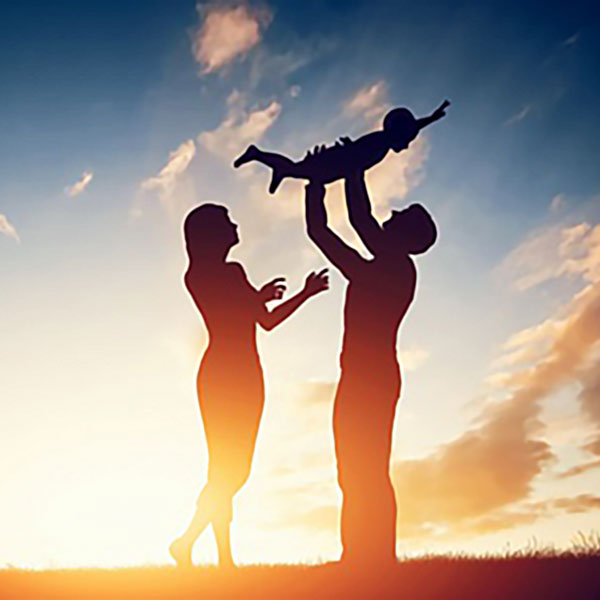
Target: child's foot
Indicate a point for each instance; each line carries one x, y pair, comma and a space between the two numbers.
276, 179
181, 552
249, 155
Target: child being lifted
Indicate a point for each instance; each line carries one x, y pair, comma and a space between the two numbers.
326, 164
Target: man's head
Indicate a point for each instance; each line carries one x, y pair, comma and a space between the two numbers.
411, 230
401, 128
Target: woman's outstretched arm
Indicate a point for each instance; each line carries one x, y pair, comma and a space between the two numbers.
315, 283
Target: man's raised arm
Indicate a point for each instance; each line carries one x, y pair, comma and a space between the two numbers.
359, 211
342, 256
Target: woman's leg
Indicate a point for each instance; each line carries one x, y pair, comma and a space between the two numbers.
181, 548
231, 417
221, 529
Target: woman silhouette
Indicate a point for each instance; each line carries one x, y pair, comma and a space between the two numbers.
230, 380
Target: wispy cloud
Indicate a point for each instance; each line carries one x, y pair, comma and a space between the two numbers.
552, 252
227, 32
518, 116
558, 203
169, 179
8, 229
579, 469
370, 101
572, 39
177, 163
80, 185
240, 127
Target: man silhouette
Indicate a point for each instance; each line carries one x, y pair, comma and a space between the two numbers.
379, 292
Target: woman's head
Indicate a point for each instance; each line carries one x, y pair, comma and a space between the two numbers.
411, 230
209, 232
401, 127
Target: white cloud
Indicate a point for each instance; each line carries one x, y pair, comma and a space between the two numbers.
240, 127
7, 228
518, 116
80, 184
295, 91
227, 32
370, 101
177, 163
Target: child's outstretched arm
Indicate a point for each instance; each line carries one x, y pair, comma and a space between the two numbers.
436, 115
359, 211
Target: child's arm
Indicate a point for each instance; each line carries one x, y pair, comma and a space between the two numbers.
345, 258
436, 115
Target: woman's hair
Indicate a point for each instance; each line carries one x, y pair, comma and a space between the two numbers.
202, 230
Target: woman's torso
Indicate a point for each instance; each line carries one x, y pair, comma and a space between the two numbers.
229, 307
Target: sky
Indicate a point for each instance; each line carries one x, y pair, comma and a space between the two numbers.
117, 118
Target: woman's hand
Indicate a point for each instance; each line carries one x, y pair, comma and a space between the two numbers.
316, 283
273, 290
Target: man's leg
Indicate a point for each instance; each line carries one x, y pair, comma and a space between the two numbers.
346, 430
363, 422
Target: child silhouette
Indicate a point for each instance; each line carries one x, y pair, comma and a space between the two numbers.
326, 164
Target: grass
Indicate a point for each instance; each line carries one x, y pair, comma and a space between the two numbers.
530, 573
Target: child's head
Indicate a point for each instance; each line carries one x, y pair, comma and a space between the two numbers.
401, 128
411, 230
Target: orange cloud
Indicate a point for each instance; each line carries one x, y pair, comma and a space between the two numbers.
485, 469
227, 32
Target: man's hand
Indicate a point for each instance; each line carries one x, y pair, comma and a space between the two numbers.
316, 283
273, 290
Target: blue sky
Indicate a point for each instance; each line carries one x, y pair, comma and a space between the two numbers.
92, 290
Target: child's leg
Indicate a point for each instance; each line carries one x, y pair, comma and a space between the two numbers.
282, 166
271, 159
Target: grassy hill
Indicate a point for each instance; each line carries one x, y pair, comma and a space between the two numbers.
547, 577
